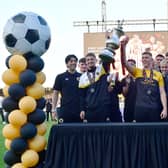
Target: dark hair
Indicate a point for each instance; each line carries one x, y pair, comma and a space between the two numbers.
159, 55
82, 60
131, 60
148, 53
68, 57
90, 54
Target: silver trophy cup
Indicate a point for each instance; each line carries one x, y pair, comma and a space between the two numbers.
112, 43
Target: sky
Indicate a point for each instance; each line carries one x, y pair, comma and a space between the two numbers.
65, 38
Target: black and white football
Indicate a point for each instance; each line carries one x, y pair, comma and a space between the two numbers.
27, 33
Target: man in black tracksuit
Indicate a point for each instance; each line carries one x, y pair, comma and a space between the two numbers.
95, 99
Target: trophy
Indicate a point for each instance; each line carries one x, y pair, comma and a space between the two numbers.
112, 44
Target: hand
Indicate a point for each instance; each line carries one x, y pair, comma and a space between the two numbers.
124, 40
54, 115
111, 87
82, 115
128, 80
163, 114
109, 78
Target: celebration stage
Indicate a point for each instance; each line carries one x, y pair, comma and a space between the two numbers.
108, 145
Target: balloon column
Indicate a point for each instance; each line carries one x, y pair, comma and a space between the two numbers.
27, 37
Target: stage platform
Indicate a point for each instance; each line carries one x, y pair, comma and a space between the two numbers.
108, 145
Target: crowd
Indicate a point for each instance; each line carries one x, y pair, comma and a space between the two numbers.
92, 93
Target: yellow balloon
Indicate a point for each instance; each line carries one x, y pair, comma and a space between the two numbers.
10, 77
37, 143
18, 165
27, 104
30, 158
36, 91
41, 128
40, 77
10, 131
17, 117
8, 143
5, 91
18, 63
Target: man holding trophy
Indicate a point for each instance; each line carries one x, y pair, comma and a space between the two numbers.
151, 102
95, 99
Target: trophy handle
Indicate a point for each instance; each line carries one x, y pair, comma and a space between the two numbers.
120, 24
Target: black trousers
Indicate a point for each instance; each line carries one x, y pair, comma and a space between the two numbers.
48, 113
143, 114
99, 114
68, 117
2, 114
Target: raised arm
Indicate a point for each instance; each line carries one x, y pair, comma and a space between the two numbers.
123, 41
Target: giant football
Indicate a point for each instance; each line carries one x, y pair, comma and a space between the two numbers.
27, 33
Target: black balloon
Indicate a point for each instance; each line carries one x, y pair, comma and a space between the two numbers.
19, 145
37, 117
27, 77
35, 63
28, 130
9, 104
16, 91
41, 103
7, 61
29, 55
10, 158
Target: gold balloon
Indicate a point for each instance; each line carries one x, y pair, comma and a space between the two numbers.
8, 143
10, 77
36, 91
41, 128
17, 117
18, 63
40, 77
37, 143
30, 158
18, 165
5, 91
10, 131
27, 104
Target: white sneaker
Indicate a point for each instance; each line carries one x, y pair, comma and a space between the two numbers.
3, 122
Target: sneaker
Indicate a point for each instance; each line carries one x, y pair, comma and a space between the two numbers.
3, 122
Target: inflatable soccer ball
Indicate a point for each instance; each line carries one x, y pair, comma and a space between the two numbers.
27, 33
